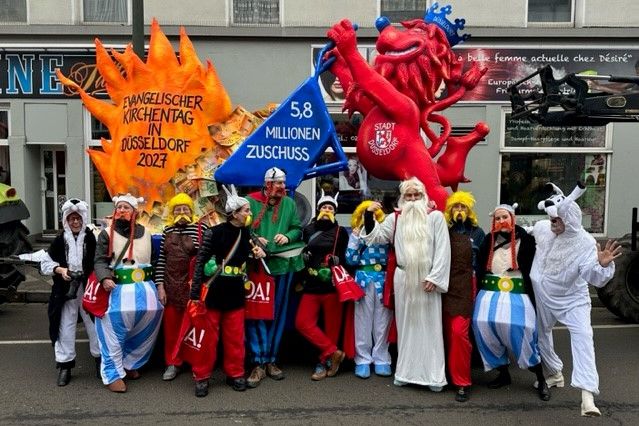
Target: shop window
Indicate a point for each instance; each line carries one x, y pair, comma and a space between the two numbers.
5, 171
330, 86
106, 11
403, 10
99, 130
545, 11
4, 125
99, 197
13, 11
256, 12
533, 155
521, 133
354, 186
347, 128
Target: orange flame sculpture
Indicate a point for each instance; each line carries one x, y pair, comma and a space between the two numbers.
158, 116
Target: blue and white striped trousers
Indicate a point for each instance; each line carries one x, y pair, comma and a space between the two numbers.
128, 330
505, 322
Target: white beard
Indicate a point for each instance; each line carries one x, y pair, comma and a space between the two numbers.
412, 228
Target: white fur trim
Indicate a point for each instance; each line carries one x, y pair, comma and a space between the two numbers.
128, 198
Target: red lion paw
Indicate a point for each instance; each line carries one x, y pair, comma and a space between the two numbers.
343, 35
471, 78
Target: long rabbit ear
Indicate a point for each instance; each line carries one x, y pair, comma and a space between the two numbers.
233, 190
335, 197
228, 193
322, 196
577, 192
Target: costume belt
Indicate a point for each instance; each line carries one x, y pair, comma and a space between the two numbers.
504, 284
323, 273
133, 275
372, 268
234, 271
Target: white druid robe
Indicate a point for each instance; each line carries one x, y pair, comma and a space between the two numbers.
420, 338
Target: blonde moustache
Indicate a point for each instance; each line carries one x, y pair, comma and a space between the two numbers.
330, 216
177, 218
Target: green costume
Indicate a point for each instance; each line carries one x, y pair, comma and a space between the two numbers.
288, 224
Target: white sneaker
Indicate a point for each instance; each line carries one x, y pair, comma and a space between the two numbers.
554, 380
436, 388
588, 408
399, 383
170, 373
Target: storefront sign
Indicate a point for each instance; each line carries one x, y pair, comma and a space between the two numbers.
508, 65
525, 134
32, 74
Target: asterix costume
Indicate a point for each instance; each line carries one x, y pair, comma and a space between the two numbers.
457, 304
372, 318
504, 316
179, 244
563, 267
225, 297
128, 330
326, 243
280, 217
75, 252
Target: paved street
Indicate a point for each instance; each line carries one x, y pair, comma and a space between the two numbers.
29, 394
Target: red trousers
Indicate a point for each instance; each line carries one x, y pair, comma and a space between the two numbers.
232, 325
459, 348
306, 321
171, 322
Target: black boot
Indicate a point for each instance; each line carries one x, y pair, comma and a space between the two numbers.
64, 376
238, 384
503, 379
542, 387
463, 393
98, 363
201, 388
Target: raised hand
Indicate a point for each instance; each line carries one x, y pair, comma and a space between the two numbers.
610, 252
374, 206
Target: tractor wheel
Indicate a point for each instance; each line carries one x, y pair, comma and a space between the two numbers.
13, 240
621, 294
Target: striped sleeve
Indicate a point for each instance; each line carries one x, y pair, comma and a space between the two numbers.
190, 230
159, 267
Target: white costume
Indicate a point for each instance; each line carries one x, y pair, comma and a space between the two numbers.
564, 265
418, 314
75, 249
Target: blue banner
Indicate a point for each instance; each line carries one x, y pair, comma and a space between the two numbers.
292, 138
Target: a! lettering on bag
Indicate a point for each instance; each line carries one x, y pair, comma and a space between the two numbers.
194, 339
92, 290
259, 292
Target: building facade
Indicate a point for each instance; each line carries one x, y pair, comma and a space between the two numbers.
263, 49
